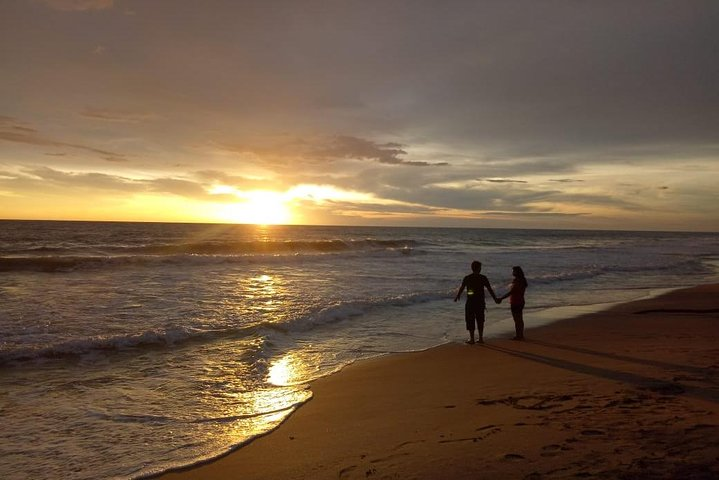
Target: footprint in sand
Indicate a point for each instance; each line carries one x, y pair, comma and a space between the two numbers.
486, 427
513, 457
551, 450
592, 433
346, 471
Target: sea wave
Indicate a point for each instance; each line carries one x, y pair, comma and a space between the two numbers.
82, 346
690, 266
347, 310
196, 253
176, 335
270, 247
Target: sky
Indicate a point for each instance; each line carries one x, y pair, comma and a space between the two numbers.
496, 113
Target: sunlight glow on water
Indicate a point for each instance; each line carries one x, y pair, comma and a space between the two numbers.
290, 369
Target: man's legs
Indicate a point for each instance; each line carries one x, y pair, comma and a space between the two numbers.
480, 325
469, 321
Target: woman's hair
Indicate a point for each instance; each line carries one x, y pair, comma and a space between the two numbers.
519, 273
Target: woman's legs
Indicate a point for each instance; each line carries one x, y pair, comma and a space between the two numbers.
518, 316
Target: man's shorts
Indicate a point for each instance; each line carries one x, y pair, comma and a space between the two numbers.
474, 312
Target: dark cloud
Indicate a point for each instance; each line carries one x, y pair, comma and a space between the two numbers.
325, 150
473, 199
349, 147
110, 115
48, 179
78, 5
519, 196
376, 208
518, 77
565, 180
500, 180
12, 131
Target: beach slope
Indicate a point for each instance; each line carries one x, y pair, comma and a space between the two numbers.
631, 392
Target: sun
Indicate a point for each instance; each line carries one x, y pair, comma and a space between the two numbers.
259, 207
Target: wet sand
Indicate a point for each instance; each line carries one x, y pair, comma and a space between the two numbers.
631, 392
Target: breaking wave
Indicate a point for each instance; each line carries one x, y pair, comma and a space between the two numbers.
65, 260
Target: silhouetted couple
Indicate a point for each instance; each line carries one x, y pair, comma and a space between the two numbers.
474, 308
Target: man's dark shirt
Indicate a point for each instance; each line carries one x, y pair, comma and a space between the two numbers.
475, 284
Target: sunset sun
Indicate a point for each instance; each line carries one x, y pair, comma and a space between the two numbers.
259, 207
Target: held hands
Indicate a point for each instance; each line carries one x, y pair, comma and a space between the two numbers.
498, 300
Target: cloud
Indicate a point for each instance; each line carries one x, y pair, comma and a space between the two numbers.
78, 5
11, 130
597, 200
213, 177
369, 208
500, 180
44, 179
544, 215
110, 115
324, 150
459, 190
184, 188
354, 148
565, 180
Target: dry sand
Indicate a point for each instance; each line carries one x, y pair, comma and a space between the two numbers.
630, 393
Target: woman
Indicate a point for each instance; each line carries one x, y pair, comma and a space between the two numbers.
516, 301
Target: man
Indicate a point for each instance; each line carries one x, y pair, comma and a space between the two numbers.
475, 283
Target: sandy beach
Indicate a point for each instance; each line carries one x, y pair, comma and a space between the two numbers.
630, 392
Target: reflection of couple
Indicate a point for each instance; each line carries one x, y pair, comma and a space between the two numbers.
475, 283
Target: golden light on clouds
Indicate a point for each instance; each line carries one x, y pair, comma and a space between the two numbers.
322, 193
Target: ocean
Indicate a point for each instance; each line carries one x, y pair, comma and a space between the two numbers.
127, 349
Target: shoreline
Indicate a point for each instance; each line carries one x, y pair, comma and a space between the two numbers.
364, 408
547, 317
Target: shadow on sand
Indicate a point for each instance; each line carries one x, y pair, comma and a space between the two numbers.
660, 386
624, 358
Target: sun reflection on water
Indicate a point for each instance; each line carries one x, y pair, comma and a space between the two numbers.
246, 404
288, 370
263, 293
